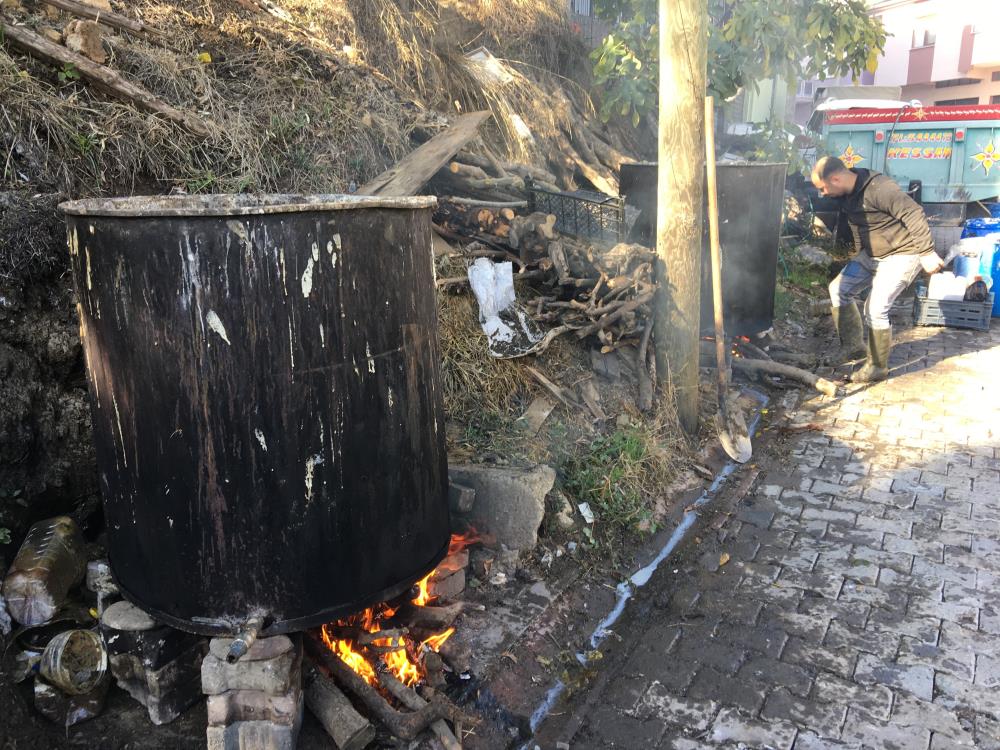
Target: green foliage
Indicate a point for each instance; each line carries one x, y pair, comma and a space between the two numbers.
748, 41
612, 474
68, 73
4, 535
777, 142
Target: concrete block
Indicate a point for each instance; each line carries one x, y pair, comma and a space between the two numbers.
261, 650
234, 706
166, 692
510, 503
273, 676
253, 735
449, 587
461, 498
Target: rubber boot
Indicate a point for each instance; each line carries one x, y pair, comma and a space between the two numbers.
850, 329
877, 366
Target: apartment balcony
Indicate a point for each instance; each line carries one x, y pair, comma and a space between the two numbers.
921, 65
985, 48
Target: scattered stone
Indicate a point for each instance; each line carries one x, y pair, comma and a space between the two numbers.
448, 588
510, 503
53, 35
564, 514
812, 254
11, 5
158, 666
127, 617
85, 37
5, 623
166, 692
99, 4
460, 498
67, 710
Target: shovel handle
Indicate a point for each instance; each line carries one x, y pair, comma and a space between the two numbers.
713, 238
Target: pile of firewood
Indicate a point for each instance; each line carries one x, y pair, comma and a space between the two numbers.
588, 289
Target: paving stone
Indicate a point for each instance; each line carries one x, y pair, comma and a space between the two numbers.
951, 611
795, 678
813, 656
909, 711
767, 641
874, 700
659, 703
853, 614
916, 679
841, 636
747, 694
824, 719
731, 726
812, 741
932, 550
923, 629
884, 736
943, 658
617, 728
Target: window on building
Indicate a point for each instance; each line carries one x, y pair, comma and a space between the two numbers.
957, 102
995, 99
956, 82
805, 88
923, 38
995, 76
581, 7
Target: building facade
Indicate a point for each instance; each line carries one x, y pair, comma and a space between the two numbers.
940, 52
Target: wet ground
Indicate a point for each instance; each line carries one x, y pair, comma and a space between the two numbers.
847, 601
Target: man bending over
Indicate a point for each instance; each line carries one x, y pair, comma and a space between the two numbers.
893, 243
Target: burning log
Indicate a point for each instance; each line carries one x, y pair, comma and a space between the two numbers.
403, 725
822, 385
433, 618
414, 702
348, 729
456, 655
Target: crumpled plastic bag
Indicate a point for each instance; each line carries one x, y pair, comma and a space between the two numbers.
509, 330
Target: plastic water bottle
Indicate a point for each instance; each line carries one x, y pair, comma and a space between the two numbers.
50, 562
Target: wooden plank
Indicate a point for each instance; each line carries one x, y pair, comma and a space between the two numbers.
99, 76
107, 18
417, 167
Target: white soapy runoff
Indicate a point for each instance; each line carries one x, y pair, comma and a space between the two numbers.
215, 323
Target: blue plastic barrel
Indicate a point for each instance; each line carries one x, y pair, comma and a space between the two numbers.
980, 228
994, 209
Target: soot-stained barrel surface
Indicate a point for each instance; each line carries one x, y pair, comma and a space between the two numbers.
265, 392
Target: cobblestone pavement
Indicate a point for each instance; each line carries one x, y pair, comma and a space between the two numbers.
859, 606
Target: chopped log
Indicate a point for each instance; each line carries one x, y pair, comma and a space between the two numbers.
107, 18
101, 77
555, 390
610, 318
414, 702
475, 159
606, 184
468, 171
456, 655
394, 634
786, 371
493, 204
417, 167
434, 667
455, 281
753, 350
429, 617
645, 399
536, 174
348, 729
404, 726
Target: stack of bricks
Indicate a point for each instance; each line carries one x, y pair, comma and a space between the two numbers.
158, 666
255, 703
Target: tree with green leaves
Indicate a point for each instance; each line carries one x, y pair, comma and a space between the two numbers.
748, 41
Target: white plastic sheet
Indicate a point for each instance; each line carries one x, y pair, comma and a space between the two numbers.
509, 329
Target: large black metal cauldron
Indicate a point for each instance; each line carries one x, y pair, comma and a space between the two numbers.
264, 386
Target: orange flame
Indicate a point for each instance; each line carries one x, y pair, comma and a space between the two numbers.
461, 541
424, 596
398, 654
435, 642
350, 657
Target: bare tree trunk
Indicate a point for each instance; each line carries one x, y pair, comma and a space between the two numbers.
683, 56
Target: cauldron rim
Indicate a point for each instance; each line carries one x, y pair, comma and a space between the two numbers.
230, 204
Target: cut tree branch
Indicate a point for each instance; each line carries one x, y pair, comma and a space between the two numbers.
101, 77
